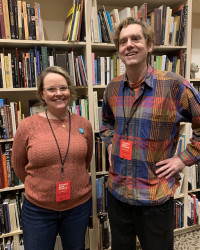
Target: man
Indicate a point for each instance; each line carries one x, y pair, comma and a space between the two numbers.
141, 114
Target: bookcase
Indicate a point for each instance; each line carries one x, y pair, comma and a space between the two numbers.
53, 14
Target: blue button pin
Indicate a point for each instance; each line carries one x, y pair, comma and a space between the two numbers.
81, 130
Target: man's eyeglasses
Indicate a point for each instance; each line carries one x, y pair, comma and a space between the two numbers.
54, 90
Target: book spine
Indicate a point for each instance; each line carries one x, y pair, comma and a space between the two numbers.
1, 170
16, 21
6, 214
18, 203
12, 15
36, 21
6, 19
30, 31
32, 13
5, 173
44, 57
8, 162
7, 72
2, 25
2, 228
26, 31
24, 69
32, 67
19, 9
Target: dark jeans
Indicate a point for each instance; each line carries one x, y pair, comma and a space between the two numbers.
41, 226
152, 224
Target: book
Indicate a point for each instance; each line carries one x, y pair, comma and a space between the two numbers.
142, 9
7, 72
79, 80
107, 25
135, 13
6, 213
11, 17
18, 207
96, 116
104, 31
183, 26
163, 9
3, 70
124, 13
5, 173
115, 13
35, 107
68, 21
71, 67
94, 25
62, 60
45, 63
83, 28
19, 9
1, 170
13, 118
2, 25
167, 27
12, 214
2, 226
33, 29
99, 195
7, 153
24, 11
36, 21
84, 70
76, 23
30, 31
93, 68
80, 20
6, 19
157, 26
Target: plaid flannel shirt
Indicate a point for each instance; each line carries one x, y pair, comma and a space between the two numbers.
165, 100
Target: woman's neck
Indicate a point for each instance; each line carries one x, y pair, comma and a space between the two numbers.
57, 115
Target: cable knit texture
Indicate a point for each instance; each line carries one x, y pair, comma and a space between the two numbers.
36, 160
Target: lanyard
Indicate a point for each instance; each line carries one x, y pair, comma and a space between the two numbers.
62, 161
133, 111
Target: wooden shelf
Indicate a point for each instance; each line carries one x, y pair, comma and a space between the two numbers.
194, 190
12, 188
11, 234
17, 89
22, 44
186, 229
6, 140
195, 80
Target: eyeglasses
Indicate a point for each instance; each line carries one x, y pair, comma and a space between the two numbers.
54, 90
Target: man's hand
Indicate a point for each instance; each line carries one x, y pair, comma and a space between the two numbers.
169, 167
109, 148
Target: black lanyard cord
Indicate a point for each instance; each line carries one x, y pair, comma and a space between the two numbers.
62, 161
133, 112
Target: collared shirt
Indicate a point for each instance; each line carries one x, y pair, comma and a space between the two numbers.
165, 99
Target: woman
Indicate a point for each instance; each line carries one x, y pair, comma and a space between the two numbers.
51, 155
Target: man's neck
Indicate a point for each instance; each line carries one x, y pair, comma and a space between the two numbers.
136, 74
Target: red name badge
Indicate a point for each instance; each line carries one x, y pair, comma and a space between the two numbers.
125, 149
63, 190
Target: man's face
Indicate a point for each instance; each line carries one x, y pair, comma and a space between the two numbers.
133, 49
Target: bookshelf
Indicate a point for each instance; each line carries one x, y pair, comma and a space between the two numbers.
53, 15
104, 49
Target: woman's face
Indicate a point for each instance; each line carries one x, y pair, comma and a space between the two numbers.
56, 93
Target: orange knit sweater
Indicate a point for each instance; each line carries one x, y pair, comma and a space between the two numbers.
36, 161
